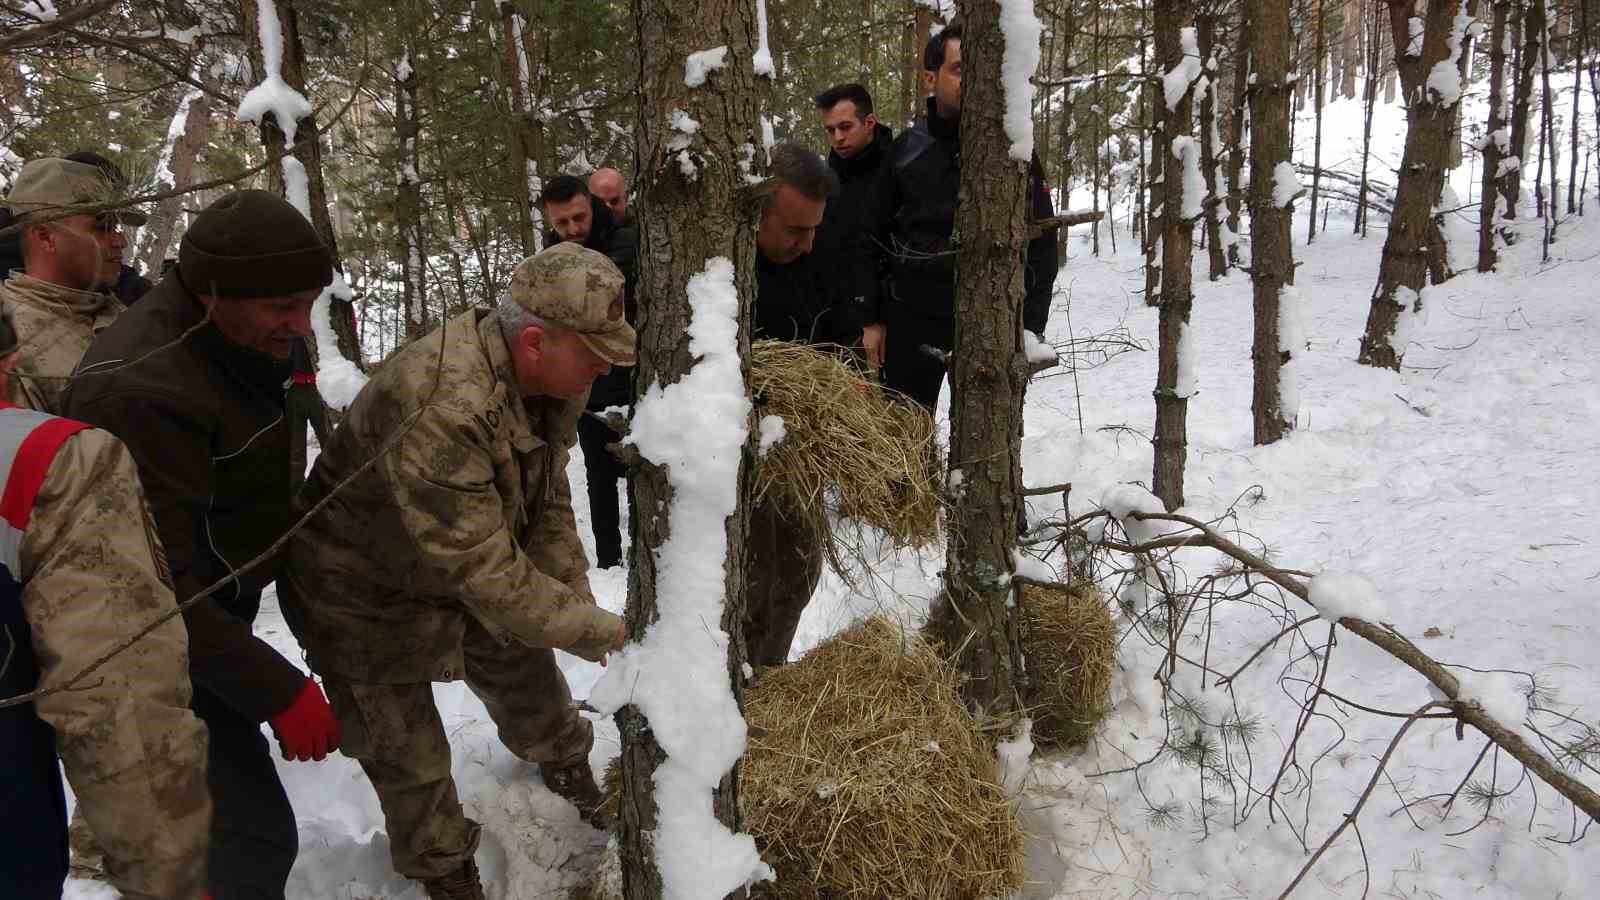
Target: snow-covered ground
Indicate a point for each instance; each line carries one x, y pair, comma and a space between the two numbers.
1462, 487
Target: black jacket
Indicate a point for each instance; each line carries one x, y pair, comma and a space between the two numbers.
848, 225
204, 418
803, 301
619, 242
917, 196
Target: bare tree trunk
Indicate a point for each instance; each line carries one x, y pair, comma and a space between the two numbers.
1317, 98
1528, 52
922, 23
155, 237
1210, 136
1236, 131
1576, 58
1374, 55
687, 223
1271, 246
1172, 130
1496, 141
988, 371
1402, 273
518, 149
1353, 31
408, 218
866, 39
1150, 184
1547, 134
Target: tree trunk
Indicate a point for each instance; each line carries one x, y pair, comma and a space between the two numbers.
518, 152
686, 223
921, 25
1353, 32
1210, 136
1402, 273
988, 371
1547, 133
1236, 131
408, 218
1496, 141
1271, 247
1576, 58
155, 237
1528, 54
1172, 129
1374, 55
1316, 144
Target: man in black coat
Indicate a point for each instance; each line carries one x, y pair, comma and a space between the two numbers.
860, 144
576, 216
916, 217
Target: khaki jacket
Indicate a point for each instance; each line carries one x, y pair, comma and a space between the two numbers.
466, 514
93, 575
55, 326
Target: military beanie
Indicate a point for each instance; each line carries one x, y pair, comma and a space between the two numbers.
252, 244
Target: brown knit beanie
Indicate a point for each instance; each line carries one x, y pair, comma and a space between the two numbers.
252, 244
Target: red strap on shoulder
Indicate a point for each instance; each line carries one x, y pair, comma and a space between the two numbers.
304, 377
33, 460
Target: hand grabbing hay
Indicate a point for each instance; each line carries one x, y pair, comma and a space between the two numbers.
848, 447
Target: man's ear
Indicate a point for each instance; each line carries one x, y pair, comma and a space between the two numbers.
927, 81
871, 121
531, 341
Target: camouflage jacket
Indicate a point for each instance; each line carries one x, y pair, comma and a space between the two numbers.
466, 512
93, 575
55, 326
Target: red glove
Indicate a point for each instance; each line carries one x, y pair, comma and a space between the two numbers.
307, 729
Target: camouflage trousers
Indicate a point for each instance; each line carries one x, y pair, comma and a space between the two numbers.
785, 564
394, 731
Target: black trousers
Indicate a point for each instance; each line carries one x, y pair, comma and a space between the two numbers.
785, 564
253, 836
906, 368
604, 472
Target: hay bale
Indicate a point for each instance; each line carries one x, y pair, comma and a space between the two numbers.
847, 448
866, 778
1069, 641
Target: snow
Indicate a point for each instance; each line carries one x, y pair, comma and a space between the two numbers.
1338, 595
1285, 184
402, 70
677, 676
700, 64
1032, 567
273, 95
1022, 30
1444, 79
1036, 349
1407, 318
1415, 26
1187, 151
1188, 378
762, 61
1291, 341
43, 10
1175, 83
772, 431
1503, 695
338, 379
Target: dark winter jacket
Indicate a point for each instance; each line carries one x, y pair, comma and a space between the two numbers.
620, 242
847, 226
205, 420
803, 301
916, 216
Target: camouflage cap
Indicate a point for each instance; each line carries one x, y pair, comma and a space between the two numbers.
51, 184
578, 288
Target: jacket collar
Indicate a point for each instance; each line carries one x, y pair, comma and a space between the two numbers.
100, 308
940, 127
869, 157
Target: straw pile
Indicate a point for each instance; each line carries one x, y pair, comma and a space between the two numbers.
1069, 641
866, 778
847, 447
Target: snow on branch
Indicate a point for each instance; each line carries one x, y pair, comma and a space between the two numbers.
1444, 79
700, 64
762, 60
273, 95
1175, 83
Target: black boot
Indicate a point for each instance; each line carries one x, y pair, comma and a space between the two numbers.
462, 884
576, 784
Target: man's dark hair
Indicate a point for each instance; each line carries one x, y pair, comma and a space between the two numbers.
853, 92
562, 188
90, 158
933, 54
797, 167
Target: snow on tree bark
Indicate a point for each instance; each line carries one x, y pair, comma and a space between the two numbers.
1271, 246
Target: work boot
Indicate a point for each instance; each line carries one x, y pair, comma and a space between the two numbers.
576, 784
462, 884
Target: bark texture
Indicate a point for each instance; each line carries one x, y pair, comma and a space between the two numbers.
1176, 247
1403, 271
988, 372
1272, 254
1495, 133
155, 238
685, 221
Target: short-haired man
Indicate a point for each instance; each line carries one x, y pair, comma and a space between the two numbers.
71, 260
917, 212
799, 298
607, 186
578, 217
858, 143
455, 556
197, 379
81, 572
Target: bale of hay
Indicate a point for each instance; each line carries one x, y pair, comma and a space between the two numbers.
1069, 640
848, 448
866, 777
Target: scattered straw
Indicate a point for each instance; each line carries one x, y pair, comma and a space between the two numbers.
1069, 640
847, 448
867, 779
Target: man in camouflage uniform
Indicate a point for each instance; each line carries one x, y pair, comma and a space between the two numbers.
455, 554
81, 572
61, 298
